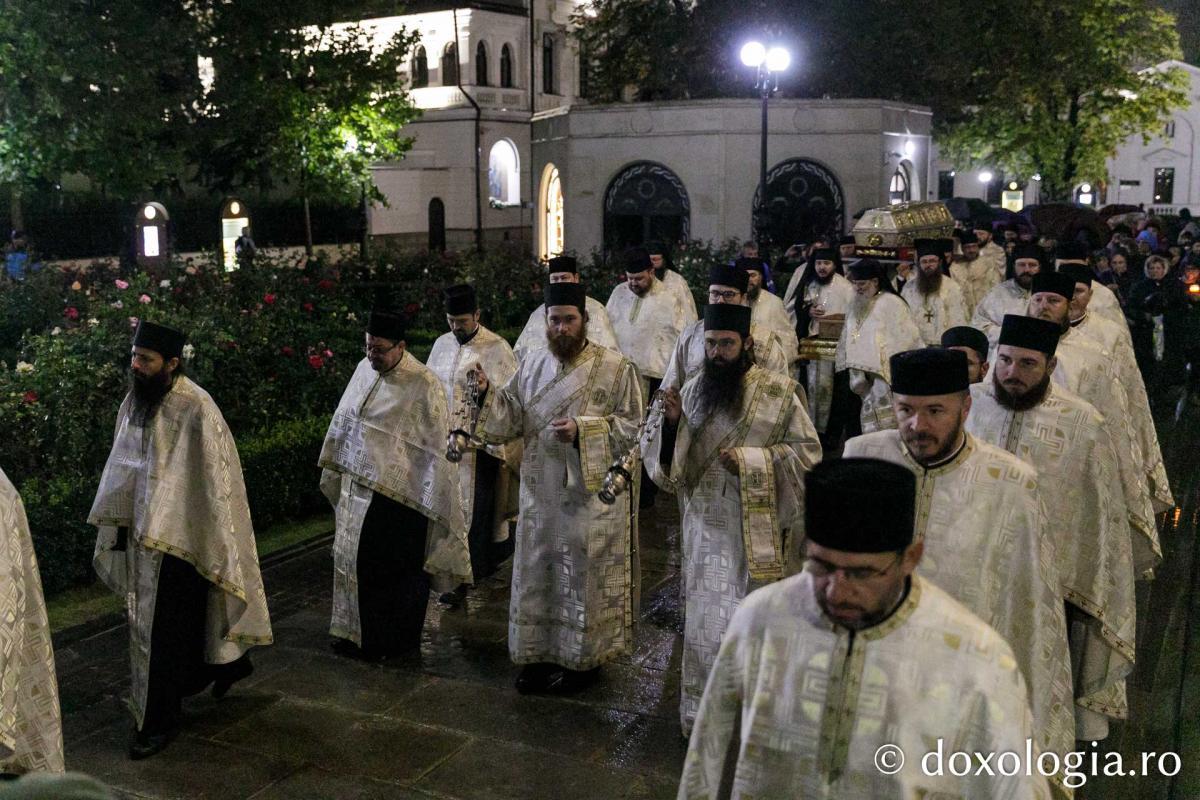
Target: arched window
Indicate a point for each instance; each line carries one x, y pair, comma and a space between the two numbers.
437, 225
481, 65
506, 64
553, 241
420, 68
898, 190
549, 79
450, 65
504, 174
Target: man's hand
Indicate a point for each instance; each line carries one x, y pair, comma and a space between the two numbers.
481, 378
728, 461
817, 312
672, 406
565, 430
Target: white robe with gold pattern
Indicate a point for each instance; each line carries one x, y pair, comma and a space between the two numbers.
869, 339
935, 313
533, 335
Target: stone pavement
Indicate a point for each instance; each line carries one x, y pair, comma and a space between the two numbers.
446, 723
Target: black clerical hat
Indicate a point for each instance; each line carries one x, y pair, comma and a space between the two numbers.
727, 317
636, 259
1027, 250
167, 342
865, 269
745, 262
860, 505
460, 299
846, 238
827, 254
386, 325
565, 294
728, 275
966, 336
1080, 273
929, 371
562, 264
967, 236
1056, 282
1030, 333
929, 247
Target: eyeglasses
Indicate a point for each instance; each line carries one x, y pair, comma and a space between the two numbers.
378, 351
822, 569
715, 295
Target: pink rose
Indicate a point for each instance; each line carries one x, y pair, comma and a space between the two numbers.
121, 284
144, 299
71, 313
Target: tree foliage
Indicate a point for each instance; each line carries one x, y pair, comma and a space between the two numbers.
112, 91
1027, 86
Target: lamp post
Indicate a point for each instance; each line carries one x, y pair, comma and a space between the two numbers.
768, 63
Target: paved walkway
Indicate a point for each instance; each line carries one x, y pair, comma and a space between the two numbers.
446, 723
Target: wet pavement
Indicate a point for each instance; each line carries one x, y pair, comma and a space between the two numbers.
446, 723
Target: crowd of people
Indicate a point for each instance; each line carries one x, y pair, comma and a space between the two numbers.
927, 531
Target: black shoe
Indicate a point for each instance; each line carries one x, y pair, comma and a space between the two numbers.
229, 674
143, 745
455, 598
538, 678
344, 647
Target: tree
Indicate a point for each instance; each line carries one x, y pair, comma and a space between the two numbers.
1075, 84
633, 44
303, 101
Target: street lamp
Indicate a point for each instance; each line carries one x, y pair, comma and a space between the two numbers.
768, 63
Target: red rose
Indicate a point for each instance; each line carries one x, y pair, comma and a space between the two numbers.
269, 299
287, 351
325, 285
71, 313
316, 362
307, 306
29, 397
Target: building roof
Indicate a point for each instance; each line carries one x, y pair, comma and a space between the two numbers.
368, 9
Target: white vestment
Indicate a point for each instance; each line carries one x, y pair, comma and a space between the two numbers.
1104, 303
388, 435
575, 565
869, 339
30, 719
1114, 337
834, 297
648, 326
934, 313
533, 335
803, 707
767, 312
739, 531
1007, 298
451, 362
975, 278
986, 543
176, 485
1069, 443
994, 255
678, 286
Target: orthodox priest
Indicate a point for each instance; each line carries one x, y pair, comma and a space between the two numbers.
486, 475
734, 446
647, 318
1012, 296
1089, 372
974, 274
936, 300
664, 270
726, 284
980, 515
30, 720
577, 407
878, 325
974, 345
1022, 411
989, 251
175, 541
1114, 339
397, 504
822, 294
767, 308
564, 269
1104, 302
793, 705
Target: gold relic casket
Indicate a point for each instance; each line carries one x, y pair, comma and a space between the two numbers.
889, 232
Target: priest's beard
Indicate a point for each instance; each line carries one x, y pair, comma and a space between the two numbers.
753, 292
929, 282
1024, 402
566, 347
147, 393
463, 337
826, 280
1025, 281
860, 304
720, 386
